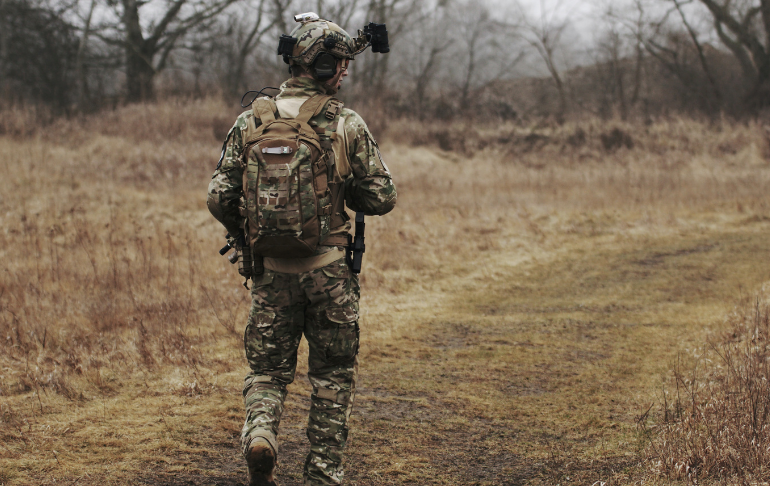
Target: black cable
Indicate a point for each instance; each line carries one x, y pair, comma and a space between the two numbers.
255, 96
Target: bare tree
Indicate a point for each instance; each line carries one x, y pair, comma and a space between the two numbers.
248, 31
5, 29
611, 69
637, 24
38, 50
623, 48
672, 40
280, 12
544, 33
148, 44
474, 31
673, 51
699, 48
486, 49
80, 67
427, 44
744, 28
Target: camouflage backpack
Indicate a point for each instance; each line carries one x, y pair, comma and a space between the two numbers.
293, 192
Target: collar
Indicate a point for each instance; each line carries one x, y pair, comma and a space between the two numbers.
302, 88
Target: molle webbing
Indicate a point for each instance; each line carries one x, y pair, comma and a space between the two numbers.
334, 182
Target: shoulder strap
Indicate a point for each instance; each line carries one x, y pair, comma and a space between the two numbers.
312, 107
336, 183
264, 112
264, 109
340, 146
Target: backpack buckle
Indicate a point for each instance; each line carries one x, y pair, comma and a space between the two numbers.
334, 109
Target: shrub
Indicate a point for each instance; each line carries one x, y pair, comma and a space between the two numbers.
717, 422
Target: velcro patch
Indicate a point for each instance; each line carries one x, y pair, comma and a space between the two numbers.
277, 150
327, 394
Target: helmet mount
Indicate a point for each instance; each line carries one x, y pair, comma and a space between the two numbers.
330, 42
316, 44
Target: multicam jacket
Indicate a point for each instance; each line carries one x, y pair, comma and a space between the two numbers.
368, 183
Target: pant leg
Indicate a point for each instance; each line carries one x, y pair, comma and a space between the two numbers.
331, 328
271, 339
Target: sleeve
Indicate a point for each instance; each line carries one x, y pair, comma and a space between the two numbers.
370, 186
226, 186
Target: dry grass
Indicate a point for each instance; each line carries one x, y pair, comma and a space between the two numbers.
102, 260
521, 305
715, 422
106, 281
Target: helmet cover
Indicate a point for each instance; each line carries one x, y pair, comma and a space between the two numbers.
316, 36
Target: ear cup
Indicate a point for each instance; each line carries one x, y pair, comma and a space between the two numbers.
325, 66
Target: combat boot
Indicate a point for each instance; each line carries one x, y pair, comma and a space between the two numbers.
261, 463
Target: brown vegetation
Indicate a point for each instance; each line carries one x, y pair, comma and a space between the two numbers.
715, 420
520, 305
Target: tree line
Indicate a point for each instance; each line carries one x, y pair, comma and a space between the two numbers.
448, 57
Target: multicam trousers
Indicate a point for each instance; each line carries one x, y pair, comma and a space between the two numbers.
322, 304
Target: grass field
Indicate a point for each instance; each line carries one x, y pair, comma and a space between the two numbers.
522, 310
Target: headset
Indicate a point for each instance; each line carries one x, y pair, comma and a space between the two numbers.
325, 66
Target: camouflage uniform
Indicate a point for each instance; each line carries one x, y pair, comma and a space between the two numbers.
321, 303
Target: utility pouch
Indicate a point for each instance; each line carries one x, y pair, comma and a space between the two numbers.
356, 247
249, 266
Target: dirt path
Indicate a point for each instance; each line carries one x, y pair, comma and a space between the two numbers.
537, 372
529, 373
527, 366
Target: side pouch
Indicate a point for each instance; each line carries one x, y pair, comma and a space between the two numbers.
259, 340
338, 283
261, 283
341, 327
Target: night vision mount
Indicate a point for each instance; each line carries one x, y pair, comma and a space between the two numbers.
377, 36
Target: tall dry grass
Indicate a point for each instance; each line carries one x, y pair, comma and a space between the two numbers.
594, 164
462, 186
104, 263
715, 419
107, 245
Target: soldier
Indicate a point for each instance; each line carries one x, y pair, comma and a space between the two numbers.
314, 294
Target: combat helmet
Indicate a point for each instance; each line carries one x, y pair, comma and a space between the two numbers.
316, 44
